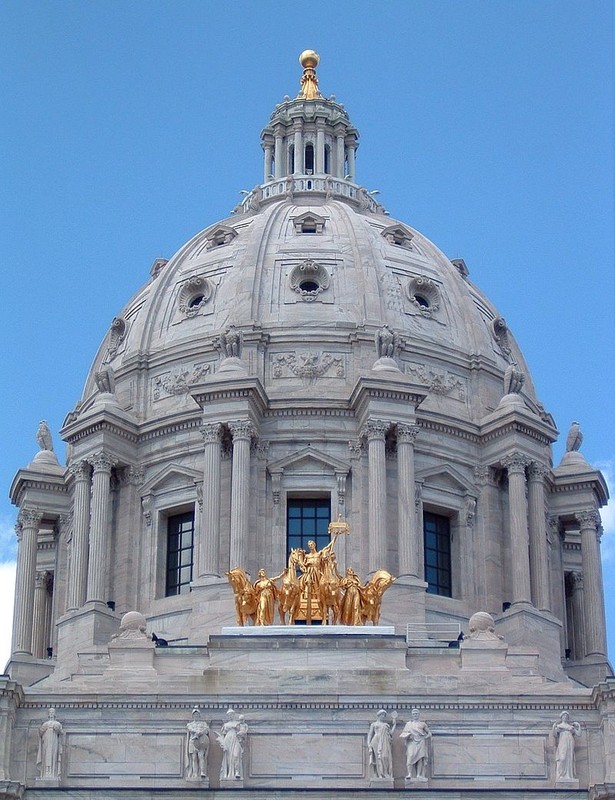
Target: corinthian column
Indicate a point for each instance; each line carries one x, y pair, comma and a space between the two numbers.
242, 432
408, 544
27, 536
78, 571
593, 598
374, 432
209, 548
539, 559
102, 464
41, 615
516, 463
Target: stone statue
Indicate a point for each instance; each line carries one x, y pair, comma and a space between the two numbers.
350, 613
105, 380
231, 739
514, 378
49, 758
197, 747
385, 341
267, 593
379, 741
574, 440
563, 733
416, 733
43, 436
230, 342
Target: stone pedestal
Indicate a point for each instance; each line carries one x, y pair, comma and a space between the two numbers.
43, 783
380, 783
131, 659
481, 655
416, 783
526, 626
234, 784
567, 784
80, 630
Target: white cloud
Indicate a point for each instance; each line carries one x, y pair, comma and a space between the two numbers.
8, 540
608, 512
7, 590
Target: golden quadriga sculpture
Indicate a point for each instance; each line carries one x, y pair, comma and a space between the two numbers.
311, 588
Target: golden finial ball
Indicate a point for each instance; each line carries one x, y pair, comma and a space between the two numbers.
309, 59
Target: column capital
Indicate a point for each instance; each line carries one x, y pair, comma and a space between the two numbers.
375, 429
576, 579
588, 519
516, 463
211, 432
355, 449
80, 470
132, 476
241, 429
406, 433
42, 579
485, 475
102, 462
537, 471
29, 517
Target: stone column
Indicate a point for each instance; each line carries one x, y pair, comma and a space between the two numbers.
209, 548
516, 463
408, 543
593, 598
102, 464
298, 149
375, 431
278, 155
27, 536
577, 623
539, 558
41, 614
320, 149
339, 155
488, 542
351, 164
242, 432
267, 165
77, 577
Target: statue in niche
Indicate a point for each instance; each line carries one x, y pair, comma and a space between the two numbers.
574, 440
416, 734
386, 342
379, 740
231, 739
197, 747
563, 733
43, 436
49, 757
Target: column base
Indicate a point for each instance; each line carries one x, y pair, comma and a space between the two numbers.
590, 671
26, 670
525, 626
404, 602
213, 607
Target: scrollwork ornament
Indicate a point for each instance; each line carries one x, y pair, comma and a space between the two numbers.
102, 462
588, 519
18, 530
375, 429
80, 470
29, 517
406, 434
537, 471
515, 463
211, 433
241, 429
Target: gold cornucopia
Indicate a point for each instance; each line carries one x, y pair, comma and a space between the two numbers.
311, 589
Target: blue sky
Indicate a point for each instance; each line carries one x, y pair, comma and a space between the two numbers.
129, 126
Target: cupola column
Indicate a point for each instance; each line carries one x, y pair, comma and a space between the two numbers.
279, 154
78, 563
102, 464
27, 536
209, 548
539, 560
516, 463
408, 538
375, 431
298, 148
320, 147
351, 160
242, 432
339, 154
267, 165
593, 597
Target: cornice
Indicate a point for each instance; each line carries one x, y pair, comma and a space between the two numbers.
99, 426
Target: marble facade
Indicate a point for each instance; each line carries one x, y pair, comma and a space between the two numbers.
309, 347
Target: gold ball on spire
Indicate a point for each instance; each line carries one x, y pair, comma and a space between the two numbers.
309, 59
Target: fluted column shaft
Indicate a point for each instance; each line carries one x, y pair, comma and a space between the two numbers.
102, 464
339, 159
27, 532
351, 161
242, 432
577, 623
278, 155
408, 535
40, 615
375, 431
320, 150
78, 570
519, 536
298, 151
267, 164
593, 597
539, 558
209, 550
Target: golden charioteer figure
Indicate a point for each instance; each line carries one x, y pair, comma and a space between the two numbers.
312, 589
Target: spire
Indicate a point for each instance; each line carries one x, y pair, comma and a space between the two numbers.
309, 82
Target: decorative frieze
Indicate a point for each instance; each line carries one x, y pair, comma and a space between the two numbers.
308, 365
440, 382
180, 380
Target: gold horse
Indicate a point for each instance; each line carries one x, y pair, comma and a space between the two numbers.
289, 593
371, 595
246, 597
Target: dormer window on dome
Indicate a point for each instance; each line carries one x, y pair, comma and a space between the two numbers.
220, 235
398, 235
309, 222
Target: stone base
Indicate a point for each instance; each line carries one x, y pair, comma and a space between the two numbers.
27, 670
380, 783
524, 625
47, 782
483, 655
309, 630
234, 784
416, 783
202, 782
590, 671
567, 784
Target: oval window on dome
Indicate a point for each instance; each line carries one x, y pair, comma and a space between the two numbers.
196, 300
421, 301
424, 294
309, 286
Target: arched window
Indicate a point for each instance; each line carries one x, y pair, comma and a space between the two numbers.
309, 159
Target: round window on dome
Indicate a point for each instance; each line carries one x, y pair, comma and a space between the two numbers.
196, 300
194, 294
309, 280
424, 294
309, 286
421, 301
